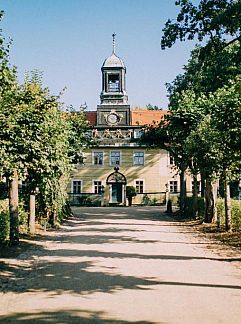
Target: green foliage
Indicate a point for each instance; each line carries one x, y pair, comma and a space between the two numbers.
22, 216
188, 210
236, 214
152, 107
4, 221
130, 191
210, 19
147, 201
235, 211
205, 74
37, 140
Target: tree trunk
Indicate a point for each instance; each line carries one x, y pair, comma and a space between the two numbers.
202, 185
227, 203
216, 218
209, 202
182, 189
129, 201
13, 209
195, 197
32, 213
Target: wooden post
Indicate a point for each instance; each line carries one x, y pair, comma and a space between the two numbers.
13, 209
167, 195
32, 213
227, 201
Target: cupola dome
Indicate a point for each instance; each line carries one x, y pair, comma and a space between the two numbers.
113, 61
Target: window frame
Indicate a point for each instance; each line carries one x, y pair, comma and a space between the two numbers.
97, 186
143, 186
137, 133
136, 152
172, 185
73, 186
198, 186
171, 160
93, 158
110, 157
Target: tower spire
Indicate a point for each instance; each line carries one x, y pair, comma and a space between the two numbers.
113, 42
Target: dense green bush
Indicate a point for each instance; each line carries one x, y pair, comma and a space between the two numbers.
147, 201
235, 212
4, 220
23, 216
188, 211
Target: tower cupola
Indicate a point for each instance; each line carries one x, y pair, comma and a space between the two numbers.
113, 79
113, 110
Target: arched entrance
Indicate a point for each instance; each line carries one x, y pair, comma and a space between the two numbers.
117, 188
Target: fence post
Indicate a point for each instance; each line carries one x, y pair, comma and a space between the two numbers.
167, 194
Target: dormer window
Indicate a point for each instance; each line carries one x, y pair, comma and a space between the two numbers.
114, 83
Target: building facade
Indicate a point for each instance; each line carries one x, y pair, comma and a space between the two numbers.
117, 160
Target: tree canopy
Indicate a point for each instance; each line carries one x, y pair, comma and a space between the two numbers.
210, 20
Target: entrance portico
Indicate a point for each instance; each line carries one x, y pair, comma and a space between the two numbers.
117, 188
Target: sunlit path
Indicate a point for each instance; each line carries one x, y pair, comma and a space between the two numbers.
121, 265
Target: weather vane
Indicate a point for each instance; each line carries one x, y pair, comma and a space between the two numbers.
113, 41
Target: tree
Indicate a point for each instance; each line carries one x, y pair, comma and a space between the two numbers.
205, 74
171, 135
8, 97
211, 20
209, 70
151, 107
130, 193
38, 142
226, 103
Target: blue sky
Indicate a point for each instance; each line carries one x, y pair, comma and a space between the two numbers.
68, 40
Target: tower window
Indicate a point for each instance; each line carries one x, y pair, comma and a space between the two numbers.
113, 83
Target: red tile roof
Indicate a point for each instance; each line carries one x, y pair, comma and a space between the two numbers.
147, 117
138, 117
91, 117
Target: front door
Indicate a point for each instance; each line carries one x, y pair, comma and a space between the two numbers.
116, 193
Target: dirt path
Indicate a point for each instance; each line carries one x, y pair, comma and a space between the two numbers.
123, 265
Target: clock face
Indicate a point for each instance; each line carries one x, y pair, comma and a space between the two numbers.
112, 118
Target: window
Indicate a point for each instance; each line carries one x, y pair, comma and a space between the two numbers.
138, 158
173, 186
97, 187
115, 158
137, 133
198, 186
171, 160
98, 158
139, 186
76, 186
113, 83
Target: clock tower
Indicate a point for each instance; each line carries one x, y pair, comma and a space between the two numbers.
113, 110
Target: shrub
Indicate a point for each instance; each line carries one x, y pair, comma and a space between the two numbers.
220, 210
235, 212
188, 211
22, 217
4, 220
130, 193
147, 201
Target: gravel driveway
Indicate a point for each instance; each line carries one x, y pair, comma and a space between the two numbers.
121, 265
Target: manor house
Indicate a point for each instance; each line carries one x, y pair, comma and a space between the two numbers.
117, 160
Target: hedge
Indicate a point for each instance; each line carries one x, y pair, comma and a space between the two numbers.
235, 212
